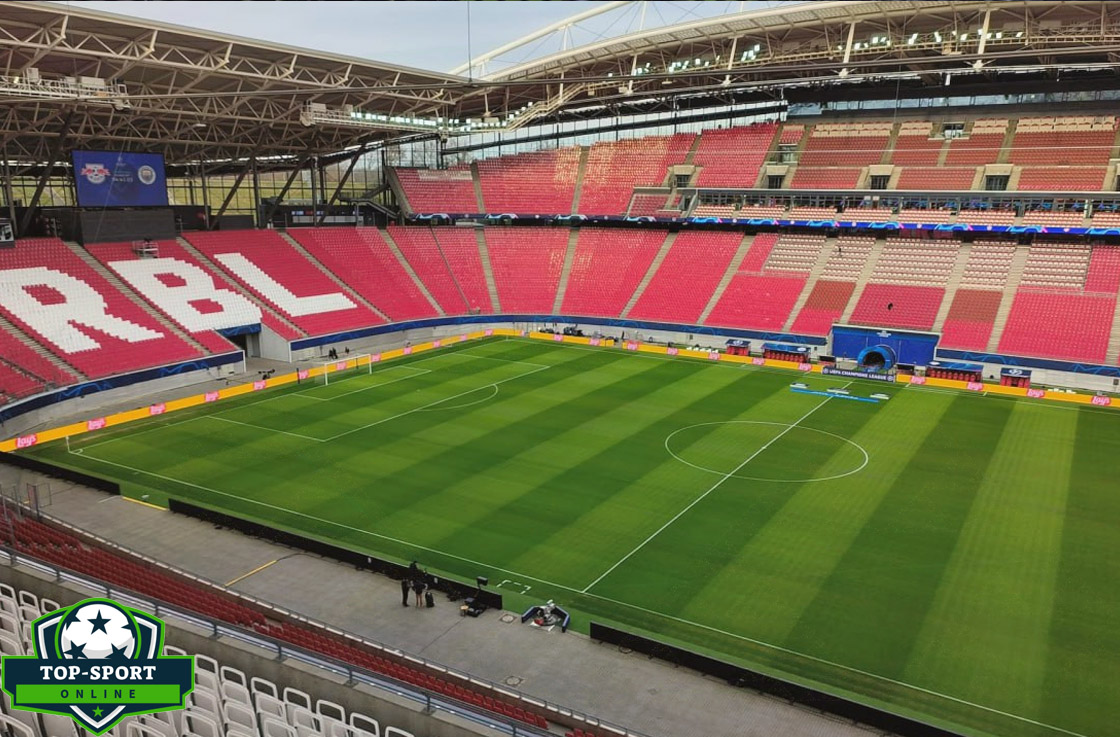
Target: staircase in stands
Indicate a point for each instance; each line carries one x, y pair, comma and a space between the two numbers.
814, 275
566, 272
487, 269
653, 268
416, 280
1014, 279
732, 269
863, 280
279, 321
952, 286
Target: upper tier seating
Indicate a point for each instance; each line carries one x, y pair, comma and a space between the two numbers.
791, 134
1105, 219
527, 263
607, 267
1052, 219
439, 190
804, 178
982, 146
270, 268
369, 267
1063, 141
108, 253
1070, 178
846, 144
646, 205
914, 146
733, 157
430, 252
126, 338
957, 178
762, 294
986, 217
535, 182
688, 276
614, 168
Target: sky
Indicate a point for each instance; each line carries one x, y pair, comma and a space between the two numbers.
429, 35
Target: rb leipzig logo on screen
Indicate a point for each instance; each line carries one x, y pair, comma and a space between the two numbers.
97, 662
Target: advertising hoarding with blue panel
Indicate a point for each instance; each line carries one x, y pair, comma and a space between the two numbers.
909, 346
119, 179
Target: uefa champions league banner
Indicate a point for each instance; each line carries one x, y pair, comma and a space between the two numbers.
119, 179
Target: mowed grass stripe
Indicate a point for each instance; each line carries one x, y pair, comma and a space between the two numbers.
257, 464
672, 569
987, 632
565, 505
869, 611
1083, 664
777, 572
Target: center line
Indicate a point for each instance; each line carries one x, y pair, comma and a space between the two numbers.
714, 486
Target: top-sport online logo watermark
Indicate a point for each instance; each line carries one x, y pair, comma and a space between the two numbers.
97, 662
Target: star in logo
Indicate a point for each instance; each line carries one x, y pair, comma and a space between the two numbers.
75, 651
119, 653
97, 711
98, 622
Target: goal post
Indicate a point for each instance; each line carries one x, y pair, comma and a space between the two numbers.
345, 367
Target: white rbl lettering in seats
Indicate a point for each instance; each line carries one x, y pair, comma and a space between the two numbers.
184, 301
58, 322
278, 294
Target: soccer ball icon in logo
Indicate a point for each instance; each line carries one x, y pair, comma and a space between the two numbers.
97, 631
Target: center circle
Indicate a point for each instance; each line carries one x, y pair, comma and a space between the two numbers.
717, 451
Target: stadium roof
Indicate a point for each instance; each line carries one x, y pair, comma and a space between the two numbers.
96, 80
194, 95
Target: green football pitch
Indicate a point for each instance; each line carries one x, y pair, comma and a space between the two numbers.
950, 556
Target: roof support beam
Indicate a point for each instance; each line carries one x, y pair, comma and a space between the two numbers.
56, 149
341, 183
284, 190
233, 190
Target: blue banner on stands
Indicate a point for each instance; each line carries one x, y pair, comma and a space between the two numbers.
1017, 373
784, 348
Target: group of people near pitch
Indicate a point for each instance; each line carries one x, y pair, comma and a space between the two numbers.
417, 582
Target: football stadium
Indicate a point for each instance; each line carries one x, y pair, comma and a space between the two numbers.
671, 369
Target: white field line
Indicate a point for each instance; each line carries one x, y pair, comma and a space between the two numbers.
712, 488
264, 429
760, 643
433, 404
418, 372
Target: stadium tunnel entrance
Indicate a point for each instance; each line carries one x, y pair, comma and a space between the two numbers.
879, 359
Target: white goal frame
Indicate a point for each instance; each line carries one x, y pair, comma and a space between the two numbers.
345, 363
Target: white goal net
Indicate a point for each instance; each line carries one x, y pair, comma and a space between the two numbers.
344, 367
